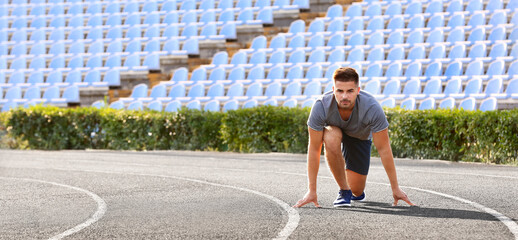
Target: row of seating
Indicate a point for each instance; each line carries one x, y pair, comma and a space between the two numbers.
238, 17
53, 95
296, 89
92, 78
410, 103
112, 7
391, 8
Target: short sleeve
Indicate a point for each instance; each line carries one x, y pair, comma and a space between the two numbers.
317, 120
378, 120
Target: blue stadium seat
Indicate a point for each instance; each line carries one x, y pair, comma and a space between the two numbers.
273, 89
475, 68
456, 35
73, 77
496, 67
197, 90
258, 57
293, 89
255, 73
336, 25
71, 94
408, 104
494, 86
453, 69
456, 20
337, 55
173, 106
428, 103
118, 105
158, 91
250, 104
394, 70
374, 70
177, 91
230, 105
376, 23
297, 56
136, 105
194, 104
254, 90
389, 102
435, 36
437, 52
356, 38
155, 105
412, 87
35, 78
277, 57
17, 77
392, 87
217, 73
316, 26
357, 54
457, 51
313, 88
212, 105
414, 69
139, 91
396, 53
235, 90
372, 87
394, 8
447, 103
308, 103
238, 73
373, 9
314, 72
474, 86
258, 42
93, 76
334, 11
112, 8
434, 69
489, 104
99, 104
112, 77
467, 104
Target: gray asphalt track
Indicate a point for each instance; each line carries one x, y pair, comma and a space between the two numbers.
207, 195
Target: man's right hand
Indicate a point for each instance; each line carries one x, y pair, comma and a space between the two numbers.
310, 197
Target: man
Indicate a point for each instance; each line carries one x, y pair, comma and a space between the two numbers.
345, 120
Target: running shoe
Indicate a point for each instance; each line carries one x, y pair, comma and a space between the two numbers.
343, 199
359, 198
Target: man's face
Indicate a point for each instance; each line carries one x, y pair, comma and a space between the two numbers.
345, 94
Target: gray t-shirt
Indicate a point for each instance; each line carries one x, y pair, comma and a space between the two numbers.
367, 116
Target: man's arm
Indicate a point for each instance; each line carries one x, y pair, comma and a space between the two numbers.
314, 149
382, 142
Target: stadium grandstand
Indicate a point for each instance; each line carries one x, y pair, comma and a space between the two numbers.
230, 54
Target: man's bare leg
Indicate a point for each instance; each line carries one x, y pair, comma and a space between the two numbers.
334, 157
356, 181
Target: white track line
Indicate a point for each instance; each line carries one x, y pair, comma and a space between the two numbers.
101, 206
293, 214
451, 173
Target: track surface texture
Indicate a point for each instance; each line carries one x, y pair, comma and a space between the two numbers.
208, 195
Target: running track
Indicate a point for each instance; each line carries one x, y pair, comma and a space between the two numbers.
206, 195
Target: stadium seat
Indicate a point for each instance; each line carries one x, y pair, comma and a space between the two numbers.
173, 106
467, 104
447, 103
136, 105
212, 105
408, 104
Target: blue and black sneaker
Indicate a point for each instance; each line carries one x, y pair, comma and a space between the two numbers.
343, 199
359, 198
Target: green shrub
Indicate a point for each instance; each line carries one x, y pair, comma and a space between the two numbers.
454, 135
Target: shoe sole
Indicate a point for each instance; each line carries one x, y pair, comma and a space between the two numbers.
342, 205
361, 200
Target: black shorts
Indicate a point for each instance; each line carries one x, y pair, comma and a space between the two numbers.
357, 154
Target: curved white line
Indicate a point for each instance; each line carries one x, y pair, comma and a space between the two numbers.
452, 173
293, 214
101, 206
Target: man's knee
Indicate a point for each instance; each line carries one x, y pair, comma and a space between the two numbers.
332, 140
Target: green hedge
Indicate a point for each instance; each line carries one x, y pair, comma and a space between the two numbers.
454, 135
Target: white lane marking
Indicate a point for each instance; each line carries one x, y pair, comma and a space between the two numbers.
293, 214
452, 173
101, 206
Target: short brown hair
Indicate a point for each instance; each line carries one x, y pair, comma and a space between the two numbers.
346, 74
